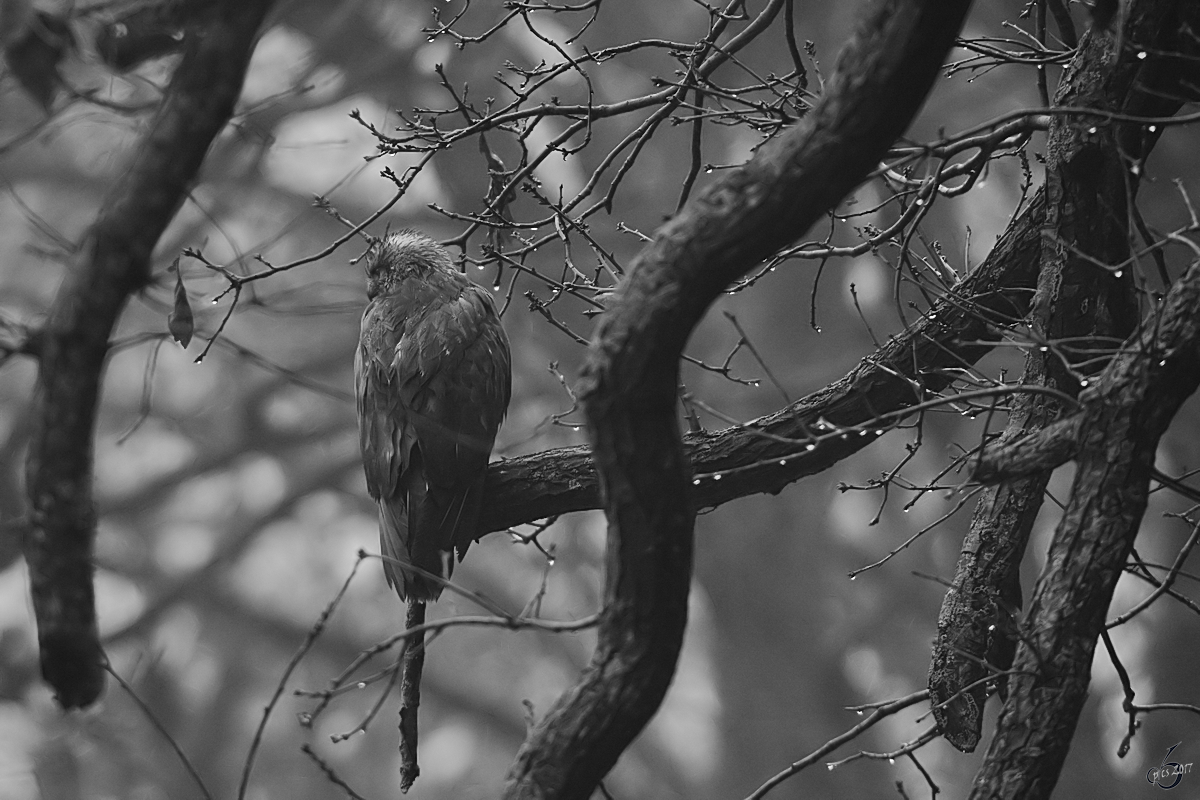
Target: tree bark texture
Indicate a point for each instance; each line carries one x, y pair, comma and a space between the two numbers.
1081, 312
1116, 434
1124, 413
631, 380
113, 262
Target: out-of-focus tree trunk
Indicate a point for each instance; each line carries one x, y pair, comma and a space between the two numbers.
113, 262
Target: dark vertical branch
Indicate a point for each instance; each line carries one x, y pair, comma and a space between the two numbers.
1124, 414
1082, 311
881, 80
113, 262
1125, 411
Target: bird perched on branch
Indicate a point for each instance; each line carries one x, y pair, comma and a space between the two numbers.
433, 379
432, 375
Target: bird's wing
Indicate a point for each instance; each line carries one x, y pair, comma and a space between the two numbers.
433, 383
385, 436
460, 392
456, 362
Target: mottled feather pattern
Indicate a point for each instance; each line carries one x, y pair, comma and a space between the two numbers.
433, 384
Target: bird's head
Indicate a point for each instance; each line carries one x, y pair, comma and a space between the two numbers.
400, 256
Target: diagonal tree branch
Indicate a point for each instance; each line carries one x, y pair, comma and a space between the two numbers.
113, 262
906, 370
630, 387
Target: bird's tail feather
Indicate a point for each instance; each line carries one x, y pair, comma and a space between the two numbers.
446, 520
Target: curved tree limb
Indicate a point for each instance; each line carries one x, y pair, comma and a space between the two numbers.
113, 262
629, 394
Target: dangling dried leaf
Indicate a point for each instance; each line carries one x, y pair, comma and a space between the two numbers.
180, 321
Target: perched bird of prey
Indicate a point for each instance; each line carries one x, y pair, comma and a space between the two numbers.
433, 378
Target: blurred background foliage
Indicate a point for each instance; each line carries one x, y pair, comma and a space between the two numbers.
232, 504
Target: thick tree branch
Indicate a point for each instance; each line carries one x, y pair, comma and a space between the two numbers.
630, 388
1081, 310
113, 262
1039, 451
1124, 415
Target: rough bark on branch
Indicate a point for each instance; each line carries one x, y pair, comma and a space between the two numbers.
1124, 413
629, 395
1081, 311
1036, 451
113, 262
